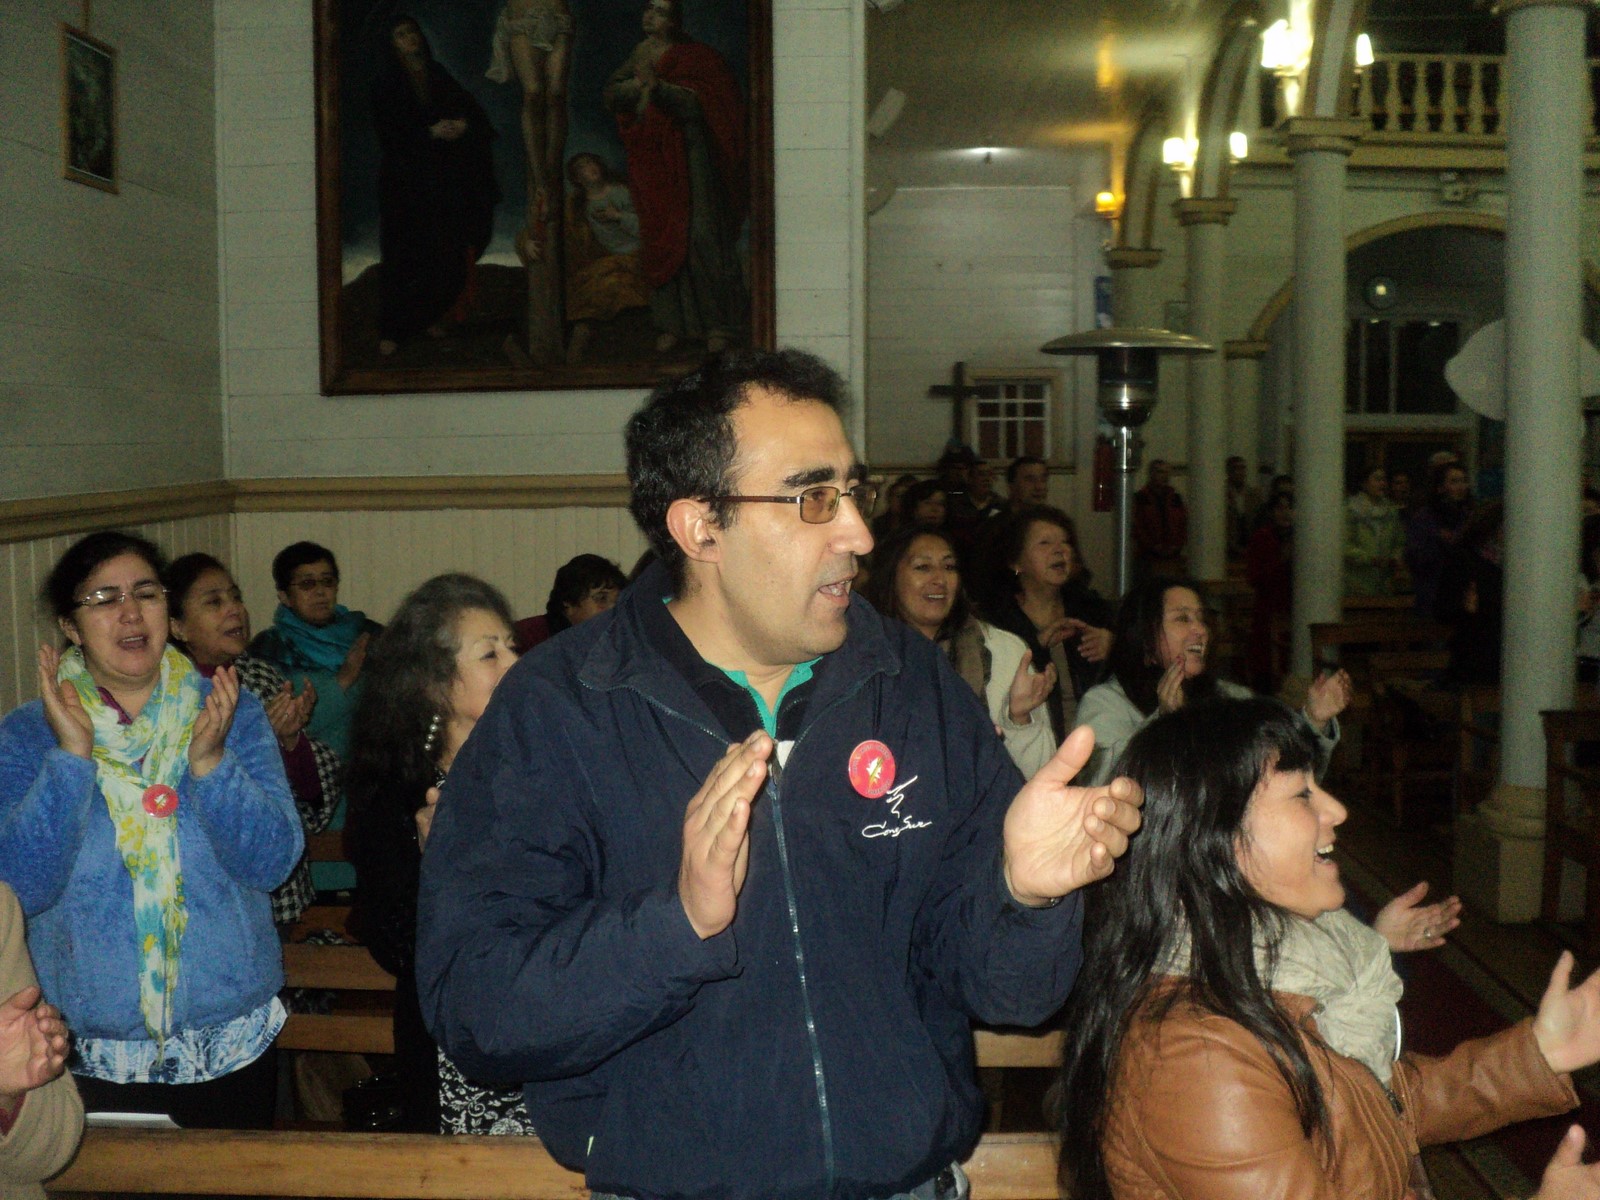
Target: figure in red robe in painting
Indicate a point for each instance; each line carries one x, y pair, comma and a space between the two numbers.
681, 116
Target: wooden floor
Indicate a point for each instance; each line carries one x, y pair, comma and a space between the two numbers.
1507, 965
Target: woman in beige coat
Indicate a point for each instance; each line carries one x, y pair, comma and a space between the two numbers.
41, 1117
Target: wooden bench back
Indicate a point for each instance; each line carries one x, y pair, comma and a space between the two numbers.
1375, 635
401, 1166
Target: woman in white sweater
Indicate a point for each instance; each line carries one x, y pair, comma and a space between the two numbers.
915, 578
1158, 664
1158, 661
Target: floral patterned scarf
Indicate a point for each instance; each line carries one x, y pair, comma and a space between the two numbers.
131, 761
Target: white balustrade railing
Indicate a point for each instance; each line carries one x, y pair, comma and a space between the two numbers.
1435, 96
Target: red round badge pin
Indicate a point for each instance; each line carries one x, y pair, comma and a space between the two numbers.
160, 800
871, 769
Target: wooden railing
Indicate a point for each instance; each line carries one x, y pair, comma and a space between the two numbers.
1411, 97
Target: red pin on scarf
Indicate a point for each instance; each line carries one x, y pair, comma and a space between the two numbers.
160, 800
871, 769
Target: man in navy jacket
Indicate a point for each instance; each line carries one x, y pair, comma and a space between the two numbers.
723, 876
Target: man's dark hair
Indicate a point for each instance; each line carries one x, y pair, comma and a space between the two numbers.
296, 555
1018, 463
681, 444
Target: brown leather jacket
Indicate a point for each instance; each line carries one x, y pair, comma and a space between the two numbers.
50, 1121
1200, 1111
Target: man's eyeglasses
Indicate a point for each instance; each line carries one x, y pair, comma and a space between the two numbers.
312, 583
820, 504
112, 597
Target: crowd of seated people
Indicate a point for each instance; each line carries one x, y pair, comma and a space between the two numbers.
155, 799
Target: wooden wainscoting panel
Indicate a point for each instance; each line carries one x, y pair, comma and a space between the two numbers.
385, 553
50, 516
429, 492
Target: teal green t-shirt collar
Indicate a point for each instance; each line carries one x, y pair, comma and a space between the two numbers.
769, 716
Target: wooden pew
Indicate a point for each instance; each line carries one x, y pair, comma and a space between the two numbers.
1572, 814
319, 917
1478, 750
399, 1166
368, 1030
1018, 1048
1397, 757
1392, 608
1352, 645
327, 846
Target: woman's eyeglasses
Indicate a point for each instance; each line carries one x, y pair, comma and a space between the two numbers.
112, 597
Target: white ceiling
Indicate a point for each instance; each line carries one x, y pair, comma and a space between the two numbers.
1038, 80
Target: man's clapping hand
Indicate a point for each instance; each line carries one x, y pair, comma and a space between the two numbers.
716, 835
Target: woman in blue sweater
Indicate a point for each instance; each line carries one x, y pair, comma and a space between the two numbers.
144, 818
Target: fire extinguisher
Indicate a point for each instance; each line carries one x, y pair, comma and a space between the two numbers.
1105, 469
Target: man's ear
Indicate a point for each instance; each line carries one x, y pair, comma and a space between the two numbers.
283, 597
695, 530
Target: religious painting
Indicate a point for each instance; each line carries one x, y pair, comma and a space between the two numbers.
540, 194
88, 110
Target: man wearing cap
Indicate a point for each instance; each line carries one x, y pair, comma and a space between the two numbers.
723, 875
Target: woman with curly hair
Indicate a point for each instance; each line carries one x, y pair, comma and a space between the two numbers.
429, 677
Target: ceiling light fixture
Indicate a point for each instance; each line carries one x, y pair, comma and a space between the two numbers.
887, 112
1178, 153
1285, 49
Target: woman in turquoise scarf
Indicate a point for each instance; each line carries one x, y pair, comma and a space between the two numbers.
144, 817
315, 638
318, 643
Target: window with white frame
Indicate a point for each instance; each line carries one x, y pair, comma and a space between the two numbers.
1008, 415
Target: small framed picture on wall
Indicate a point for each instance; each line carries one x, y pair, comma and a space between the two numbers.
88, 110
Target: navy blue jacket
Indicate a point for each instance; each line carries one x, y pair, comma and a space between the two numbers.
818, 1047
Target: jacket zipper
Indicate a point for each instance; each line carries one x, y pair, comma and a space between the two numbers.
775, 771
774, 787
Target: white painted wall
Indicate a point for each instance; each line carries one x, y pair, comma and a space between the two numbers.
278, 424
108, 317
983, 276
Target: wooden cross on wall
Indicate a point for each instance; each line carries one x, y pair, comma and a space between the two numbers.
957, 391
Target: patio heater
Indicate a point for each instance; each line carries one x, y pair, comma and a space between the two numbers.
1128, 368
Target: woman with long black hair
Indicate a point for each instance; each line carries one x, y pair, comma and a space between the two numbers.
1238, 1036
1158, 662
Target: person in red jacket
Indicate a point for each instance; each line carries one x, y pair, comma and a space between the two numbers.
1160, 524
681, 116
1269, 569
